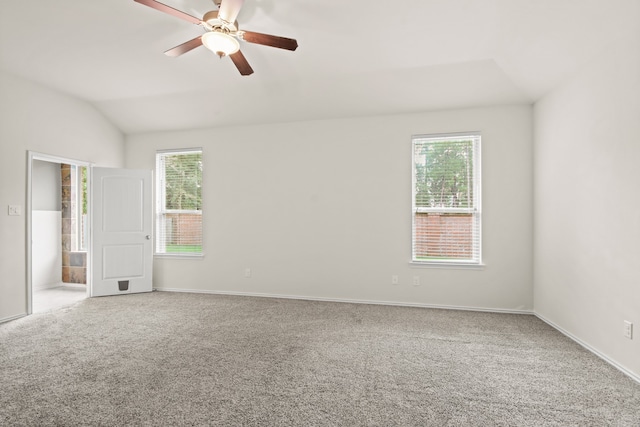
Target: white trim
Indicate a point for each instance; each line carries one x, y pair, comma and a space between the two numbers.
16, 317
180, 150
29, 243
447, 265
593, 350
48, 286
613, 363
159, 210
347, 301
179, 255
56, 159
453, 135
475, 211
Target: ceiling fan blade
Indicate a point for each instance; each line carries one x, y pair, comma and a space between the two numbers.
269, 40
184, 47
241, 63
229, 10
171, 11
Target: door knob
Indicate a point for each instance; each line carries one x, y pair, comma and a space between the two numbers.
148, 237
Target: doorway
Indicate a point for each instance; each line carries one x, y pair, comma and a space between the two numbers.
58, 237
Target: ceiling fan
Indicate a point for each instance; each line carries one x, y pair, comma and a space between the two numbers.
222, 33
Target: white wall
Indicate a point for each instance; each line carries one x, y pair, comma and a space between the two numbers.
587, 204
46, 247
46, 224
38, 119
46, 186
322, 209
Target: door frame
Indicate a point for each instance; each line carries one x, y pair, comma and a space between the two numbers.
32, 155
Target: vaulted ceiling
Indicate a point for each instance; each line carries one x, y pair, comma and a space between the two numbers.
354, 58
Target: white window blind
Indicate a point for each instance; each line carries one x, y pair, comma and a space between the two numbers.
179, 202
446, 199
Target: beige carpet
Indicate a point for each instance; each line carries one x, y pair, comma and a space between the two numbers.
185, 359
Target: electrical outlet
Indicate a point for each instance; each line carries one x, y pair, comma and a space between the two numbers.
15, 210
247, 272
416, 280
628, 329
394, 280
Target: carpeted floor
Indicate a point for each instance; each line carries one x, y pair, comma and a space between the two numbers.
186, 359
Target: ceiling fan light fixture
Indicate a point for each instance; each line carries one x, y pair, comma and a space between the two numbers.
220, 43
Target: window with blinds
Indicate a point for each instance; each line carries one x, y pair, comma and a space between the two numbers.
179, 202
446, 199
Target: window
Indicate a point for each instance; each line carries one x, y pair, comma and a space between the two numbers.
446, 199
179, 202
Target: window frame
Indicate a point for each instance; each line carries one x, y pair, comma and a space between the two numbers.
160, 204
476, 260
82, 222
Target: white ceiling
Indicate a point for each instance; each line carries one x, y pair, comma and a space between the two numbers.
354, 58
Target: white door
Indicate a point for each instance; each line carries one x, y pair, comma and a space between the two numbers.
121, 248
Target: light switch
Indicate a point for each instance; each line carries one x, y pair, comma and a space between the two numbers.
15, 210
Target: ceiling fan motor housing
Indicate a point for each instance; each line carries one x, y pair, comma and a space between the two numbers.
221, 35
212, 19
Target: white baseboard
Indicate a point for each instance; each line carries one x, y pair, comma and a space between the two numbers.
613, 363
602, 356
348, 301
9, 319
48, 286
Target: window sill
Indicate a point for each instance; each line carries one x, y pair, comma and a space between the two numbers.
447, 265
179, 256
